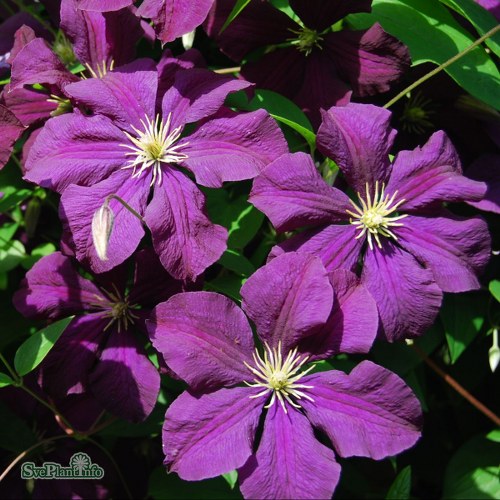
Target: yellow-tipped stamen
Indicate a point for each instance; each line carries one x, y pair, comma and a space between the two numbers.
279, 377
153, 146
373, 217
306, 40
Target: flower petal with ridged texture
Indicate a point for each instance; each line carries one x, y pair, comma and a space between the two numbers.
124, 381
100, 6
79, 204
204, 338
369, 413
431, 175
174, 18
10, 130
66, 368
126, 95
233, 149
99, 38
408, 299
75, 149
358, 137
29, 105
53, 288
288, 299
292, 194
371, 61
184, 238
290, 462
487, 169
197, 93
36, 63
456, 249
258, 24
353, 322
336, 246
212, 434
321, 14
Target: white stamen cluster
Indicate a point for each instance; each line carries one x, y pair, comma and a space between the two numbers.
374, 218
153, 146
279, 376
101, 69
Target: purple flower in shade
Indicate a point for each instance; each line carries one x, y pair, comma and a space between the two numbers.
102, 349
310, 64
487, 169
171, 18
132, 144
207, 340
411, 248
10, 131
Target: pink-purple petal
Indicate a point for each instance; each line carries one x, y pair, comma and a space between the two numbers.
288, 299
184, 238
371, 412
456, 249
335, 245
487, 169
408, 298
126, 95
29, 105
234, 148
204, 338
432, 174
292, 194
290, 462
353, 322
358, 137
10, 130
100, 6
124, 381
75, 149
211, 434
54, 289
79, 203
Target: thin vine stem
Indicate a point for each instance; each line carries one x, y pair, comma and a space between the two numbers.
447, 63
457, 387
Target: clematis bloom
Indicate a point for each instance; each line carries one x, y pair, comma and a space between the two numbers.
101, 350
301, 314
411, 247
133, 144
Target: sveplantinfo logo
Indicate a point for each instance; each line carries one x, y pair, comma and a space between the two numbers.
80, 467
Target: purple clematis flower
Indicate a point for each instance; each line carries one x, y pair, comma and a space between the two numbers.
101, 350
10, 131
307, 61
211, 428
410, 246
133, 143
487, 169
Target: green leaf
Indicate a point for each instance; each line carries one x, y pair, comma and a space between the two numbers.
165, 486
11, 254
227, 284
238, 7
231, 478
479, 17
236, 262
245, 226
473, 472
285, 111
462, 316
5, 380
400, 488
495, 289
32, 352
432, 35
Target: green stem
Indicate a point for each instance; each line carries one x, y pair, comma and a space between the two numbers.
13, 374
125, 204
435, 71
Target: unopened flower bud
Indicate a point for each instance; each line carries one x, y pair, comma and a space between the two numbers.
494, 352
102, 225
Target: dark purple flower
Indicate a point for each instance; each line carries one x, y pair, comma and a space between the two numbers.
10, 130
307, 62
101, 350
132, 144
487, 169
207, 340
411, 247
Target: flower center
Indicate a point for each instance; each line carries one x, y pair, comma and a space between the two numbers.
376, 216
306, 40
416, 114
153, 146
101, 69
279, 376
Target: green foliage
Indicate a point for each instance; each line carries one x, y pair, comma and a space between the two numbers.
238, 7
400, 488
32, 352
